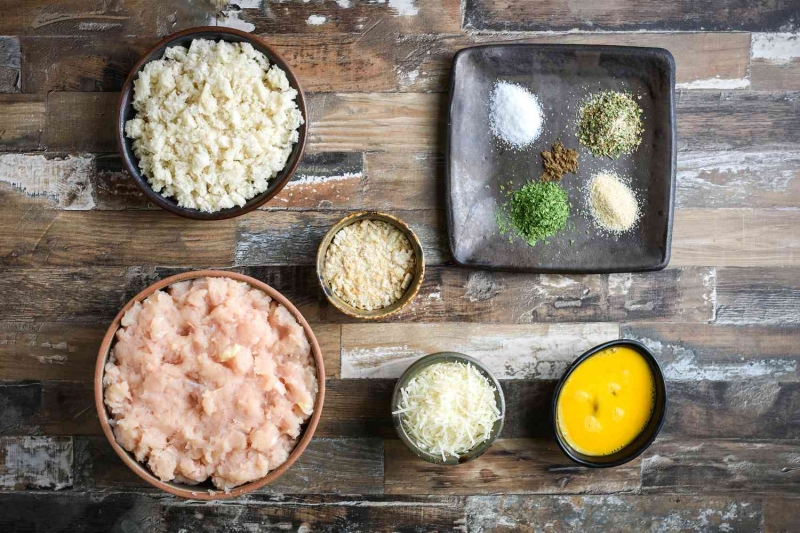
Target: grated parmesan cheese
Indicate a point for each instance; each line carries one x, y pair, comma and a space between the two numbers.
369, 264
448, 409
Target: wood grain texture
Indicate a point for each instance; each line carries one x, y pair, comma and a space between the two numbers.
619, 513
359, 468
521, 466
35, 463
695, 352
91, 114
535, 351
736, 237
775, 61
780, 514
767, 297
22, 120
685, 15
10, 65
721, 467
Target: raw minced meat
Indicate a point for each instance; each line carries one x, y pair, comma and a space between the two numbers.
214, 123
210, 379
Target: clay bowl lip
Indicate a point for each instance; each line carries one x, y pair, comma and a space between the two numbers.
411, 292
124, 112
447, 357
645, 437
189, 491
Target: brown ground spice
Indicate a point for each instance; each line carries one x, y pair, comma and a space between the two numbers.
558, 162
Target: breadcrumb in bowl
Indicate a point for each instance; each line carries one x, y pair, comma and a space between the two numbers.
126, 113
105, 386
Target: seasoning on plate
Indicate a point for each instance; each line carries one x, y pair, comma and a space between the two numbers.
448, 409
558, 162
606, 401
536, 211
610, 124
515, 115
369, 264
612, 204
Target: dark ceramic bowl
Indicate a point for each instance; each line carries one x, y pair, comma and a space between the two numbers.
125, 112
205, 490
416, 368
648, 434
411, 291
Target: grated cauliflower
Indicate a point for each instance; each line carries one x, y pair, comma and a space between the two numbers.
214, 123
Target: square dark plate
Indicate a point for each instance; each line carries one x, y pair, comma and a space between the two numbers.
561, 76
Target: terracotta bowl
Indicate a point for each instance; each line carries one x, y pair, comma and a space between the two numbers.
411, 292
206, 491
126, 112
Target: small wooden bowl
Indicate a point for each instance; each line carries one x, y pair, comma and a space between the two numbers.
411, 292
206, 491
125, 112
645, 437
411, 372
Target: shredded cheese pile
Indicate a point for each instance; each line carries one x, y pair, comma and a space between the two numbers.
448, 408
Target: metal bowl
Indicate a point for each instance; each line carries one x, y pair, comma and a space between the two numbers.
447, 357
647, 435
125, 112
411, 292
206, 491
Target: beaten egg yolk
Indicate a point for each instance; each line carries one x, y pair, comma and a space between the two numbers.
606, 401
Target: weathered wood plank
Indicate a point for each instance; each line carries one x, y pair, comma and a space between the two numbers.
619, 513
66, 181
737, 179
22, 119
49, 350
326, 514
535, 351
404, 181
359, 468
766, 297
75, 17
404, 122
775, 61
380, 60
694, 352
747, 409
364, 17
73, 238
35, 463
10, 61
519, 15
91, 114
521, 466
780, 514
273, 238
721, 467
736, 237
80, 512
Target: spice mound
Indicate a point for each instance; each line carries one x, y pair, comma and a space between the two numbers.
612, 204
448, 409
214, 123
536, 211
515, 115
558, 162
210, 378
611, 124
369, 264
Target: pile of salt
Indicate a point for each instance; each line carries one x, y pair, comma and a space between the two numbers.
515, 115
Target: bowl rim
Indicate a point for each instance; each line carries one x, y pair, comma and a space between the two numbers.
443, 357
141, 469
126, 149
659, 415
410, 293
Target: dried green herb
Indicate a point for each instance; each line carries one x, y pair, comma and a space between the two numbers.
536, 211
611, 124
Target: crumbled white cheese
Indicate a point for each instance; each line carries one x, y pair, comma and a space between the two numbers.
449, 408
369, 264
214, 123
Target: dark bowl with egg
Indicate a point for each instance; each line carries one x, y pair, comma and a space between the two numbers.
126, 111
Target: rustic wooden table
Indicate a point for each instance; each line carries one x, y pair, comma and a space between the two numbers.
77, 240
